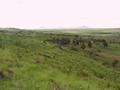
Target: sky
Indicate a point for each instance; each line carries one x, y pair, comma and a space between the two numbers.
60, 13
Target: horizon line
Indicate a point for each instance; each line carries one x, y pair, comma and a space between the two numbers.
59, 28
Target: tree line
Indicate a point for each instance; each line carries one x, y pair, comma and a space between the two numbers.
78, 41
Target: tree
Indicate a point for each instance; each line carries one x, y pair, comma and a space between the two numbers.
64, 41
90, 44
83, 46
105, 43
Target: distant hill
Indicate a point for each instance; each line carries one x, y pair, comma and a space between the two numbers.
84, 27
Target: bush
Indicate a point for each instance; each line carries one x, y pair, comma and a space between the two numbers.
114, 63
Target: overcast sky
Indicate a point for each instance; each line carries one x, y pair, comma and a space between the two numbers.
59, 13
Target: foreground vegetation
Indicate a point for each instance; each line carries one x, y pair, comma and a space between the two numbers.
36, 60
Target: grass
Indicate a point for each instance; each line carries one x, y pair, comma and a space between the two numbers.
29, 62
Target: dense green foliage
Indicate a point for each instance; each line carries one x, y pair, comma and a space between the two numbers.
36, 60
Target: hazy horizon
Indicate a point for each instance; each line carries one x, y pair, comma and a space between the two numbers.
48, 14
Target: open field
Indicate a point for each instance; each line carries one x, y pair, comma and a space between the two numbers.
86, 59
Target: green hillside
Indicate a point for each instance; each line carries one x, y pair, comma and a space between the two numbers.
41, 60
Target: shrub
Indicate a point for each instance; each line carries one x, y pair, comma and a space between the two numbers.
114, 63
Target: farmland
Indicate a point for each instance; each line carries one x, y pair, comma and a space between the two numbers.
87, 59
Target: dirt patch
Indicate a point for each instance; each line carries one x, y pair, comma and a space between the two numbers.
110, 56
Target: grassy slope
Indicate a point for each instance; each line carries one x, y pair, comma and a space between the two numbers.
44, 66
